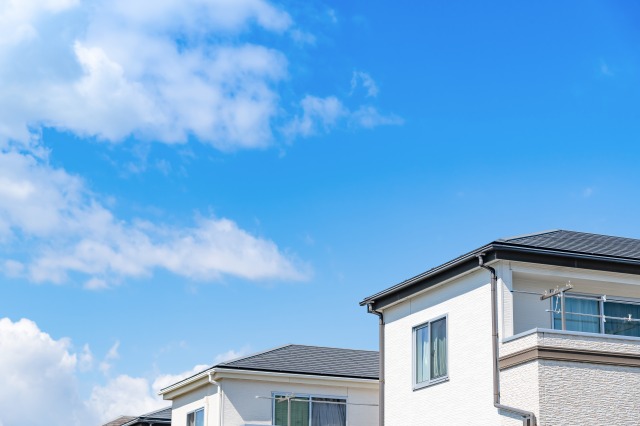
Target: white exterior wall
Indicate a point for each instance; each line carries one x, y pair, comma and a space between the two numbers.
241, 407
204, 397
467, 397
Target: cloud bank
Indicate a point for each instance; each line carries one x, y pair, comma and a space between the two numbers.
117, 69
38, 368
69, 230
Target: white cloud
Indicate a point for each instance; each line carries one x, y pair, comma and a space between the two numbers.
112, 355
69, 230
369, 117
117, 68
36, 367
165, 380
85, 359
362, 78
124, 395
112, 69
232, 354
317, 114
320, 115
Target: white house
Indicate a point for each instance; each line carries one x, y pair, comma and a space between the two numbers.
538, 329
291, 385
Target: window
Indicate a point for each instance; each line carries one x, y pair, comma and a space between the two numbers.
196, 418
309, 410
430, 352
593, 314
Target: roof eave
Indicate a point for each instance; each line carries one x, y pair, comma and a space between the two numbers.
494, 251
440, 273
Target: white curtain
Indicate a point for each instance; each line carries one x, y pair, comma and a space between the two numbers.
324, 414
422, 354
438, 349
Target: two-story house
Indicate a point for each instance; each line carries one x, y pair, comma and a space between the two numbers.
537, 329
292, 385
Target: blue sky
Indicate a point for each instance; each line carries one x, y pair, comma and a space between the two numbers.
210, 178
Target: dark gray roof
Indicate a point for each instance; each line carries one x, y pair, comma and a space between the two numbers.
557, 247
157, 417
313, 360
119, 421
580, 242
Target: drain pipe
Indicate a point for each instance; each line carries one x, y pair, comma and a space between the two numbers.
213, 382
381, 354
528, 418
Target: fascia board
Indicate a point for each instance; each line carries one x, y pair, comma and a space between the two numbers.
310, 379
194, 382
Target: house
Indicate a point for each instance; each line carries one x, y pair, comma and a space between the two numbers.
537, 329
308, 385
154, 418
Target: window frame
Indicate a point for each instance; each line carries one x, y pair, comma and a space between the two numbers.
414, 354
276, 394
194, 414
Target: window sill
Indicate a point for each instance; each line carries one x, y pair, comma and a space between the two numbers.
423, 385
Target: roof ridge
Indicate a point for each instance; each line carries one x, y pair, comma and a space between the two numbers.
604, 235
334, 347
532, 234
155, 412
253, 355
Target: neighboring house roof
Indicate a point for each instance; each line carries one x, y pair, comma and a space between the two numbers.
313, 360
557, 247
157, 417
119, 421
301, 359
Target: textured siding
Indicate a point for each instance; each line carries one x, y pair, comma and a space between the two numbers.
574, 393
467, 396
588, 394
519, 387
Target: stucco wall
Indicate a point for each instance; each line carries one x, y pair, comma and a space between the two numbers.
519, 388
467, 395
588, 394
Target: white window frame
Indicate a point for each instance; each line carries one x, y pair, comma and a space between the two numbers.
194, 413
275, 395
414, 358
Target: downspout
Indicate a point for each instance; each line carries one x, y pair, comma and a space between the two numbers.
528, 418
381, 354
213, 382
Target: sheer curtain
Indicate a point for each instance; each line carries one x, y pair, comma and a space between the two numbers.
323, 414
438, 348
577, 322
422, 354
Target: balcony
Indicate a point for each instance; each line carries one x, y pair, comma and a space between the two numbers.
572, 377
